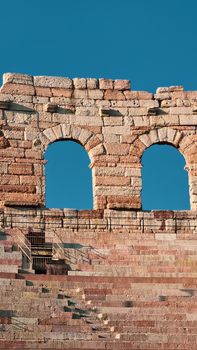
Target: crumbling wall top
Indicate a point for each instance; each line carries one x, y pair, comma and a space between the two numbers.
112, 122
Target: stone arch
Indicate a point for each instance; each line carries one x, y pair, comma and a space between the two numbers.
85, 137
164, 179
68, 177
91, 143
186, 144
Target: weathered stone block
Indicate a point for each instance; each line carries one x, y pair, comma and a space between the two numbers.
113, 190
55, 82
114, 95
43, 91
80, 83
188, 119
169, 89
117, 149
16, 78
81, 94
95, 94
61, 92
17, 89
58, 131
180, 110
105, 84
92, 83
20, 169
122, 85
137, 111
112, 181
17, 188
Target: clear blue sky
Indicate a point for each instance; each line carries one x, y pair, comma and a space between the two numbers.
153, 43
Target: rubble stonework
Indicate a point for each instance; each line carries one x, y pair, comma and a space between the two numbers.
113, 123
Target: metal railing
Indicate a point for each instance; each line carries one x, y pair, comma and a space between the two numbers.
22, 242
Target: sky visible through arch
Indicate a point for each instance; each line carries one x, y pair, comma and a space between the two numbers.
150, 42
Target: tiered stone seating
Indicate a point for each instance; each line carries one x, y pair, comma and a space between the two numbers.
134, 290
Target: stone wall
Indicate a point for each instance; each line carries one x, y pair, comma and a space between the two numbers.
114, 124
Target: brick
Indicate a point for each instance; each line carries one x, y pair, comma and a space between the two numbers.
117, 149
112, 181
41, 100
112, 190
95, 94
110, 171
80, 83
20, 169
122, 85
131, 95
54, 82
137, 111
16, 78
62, 92
169, 89
60, 100
164, 120
12, 152
105, 84
3, 167
180, 110
82, 94
92, 83
17, 188
9, 180
21, 199
123, 202
114, 95
17, 89
119, 130
145, 95
28, 179
43, 91
188, 119
14, 134
29, 153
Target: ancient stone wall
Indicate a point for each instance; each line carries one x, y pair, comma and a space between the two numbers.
113, 123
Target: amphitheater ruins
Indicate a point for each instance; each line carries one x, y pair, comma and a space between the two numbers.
115, 277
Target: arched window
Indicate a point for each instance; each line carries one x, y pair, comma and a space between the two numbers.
164, 180
68, 177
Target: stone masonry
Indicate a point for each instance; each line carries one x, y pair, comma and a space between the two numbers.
131, 277
114, 124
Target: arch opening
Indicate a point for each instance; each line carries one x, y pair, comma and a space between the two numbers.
68, 177
164, 179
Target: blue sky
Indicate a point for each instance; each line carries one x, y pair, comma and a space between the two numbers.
151, 42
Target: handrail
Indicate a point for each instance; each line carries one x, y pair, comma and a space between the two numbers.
22, 242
